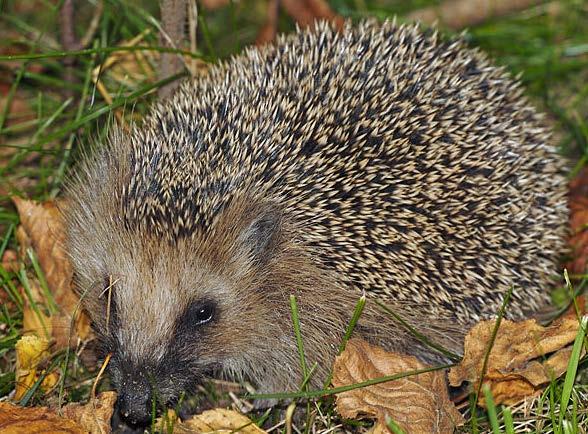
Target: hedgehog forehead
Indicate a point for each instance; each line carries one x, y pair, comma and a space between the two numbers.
151, 297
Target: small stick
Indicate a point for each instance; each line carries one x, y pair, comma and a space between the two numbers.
93, 26
102, 369
457, 14
173, 23
270, 28
68, 41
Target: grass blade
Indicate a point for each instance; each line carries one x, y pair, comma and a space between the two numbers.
299, 343
492, 413
422, 338
572, 369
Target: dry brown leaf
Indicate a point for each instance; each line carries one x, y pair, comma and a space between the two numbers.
18, 420
24, 242
30, 351
129, 69
94, 416
19, 110
418, 403
43, 224
36, 322
214, 4
50, 381
42, 227
10, 260
578, 204
61, 326
517, 365
219, 421
379, 428
10, 264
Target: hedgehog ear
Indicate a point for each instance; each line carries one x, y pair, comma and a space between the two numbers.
261, 234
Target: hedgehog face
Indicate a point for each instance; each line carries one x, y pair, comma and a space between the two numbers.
167, 323
163, 345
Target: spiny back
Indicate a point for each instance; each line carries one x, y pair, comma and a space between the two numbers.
413, 166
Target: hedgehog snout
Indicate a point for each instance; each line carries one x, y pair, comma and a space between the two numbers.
135, 397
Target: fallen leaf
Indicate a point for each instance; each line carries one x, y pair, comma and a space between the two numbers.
24, 242
130, 69
517, 365
10, 261
37, 330
50, 381
214, 4
35, 322
578, 204
61, 326
219, 421
30, 351
19, 109
10, 264
42, 227
18, 420
43, 224
94, 416
417, 403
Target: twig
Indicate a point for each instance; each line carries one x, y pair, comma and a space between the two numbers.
268, 31
457, 14
93, 26
68, 37
68, 41
173, 23
289, 416
322, 10
100, 373
299, 11
193, 27
213, 4
306, 12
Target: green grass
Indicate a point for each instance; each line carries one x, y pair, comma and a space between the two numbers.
43, 142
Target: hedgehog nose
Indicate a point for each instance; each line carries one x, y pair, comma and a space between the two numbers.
135, 400
135, 409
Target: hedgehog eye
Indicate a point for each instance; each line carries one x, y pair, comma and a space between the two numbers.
201, 313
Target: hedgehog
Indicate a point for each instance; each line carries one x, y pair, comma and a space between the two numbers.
380, 160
